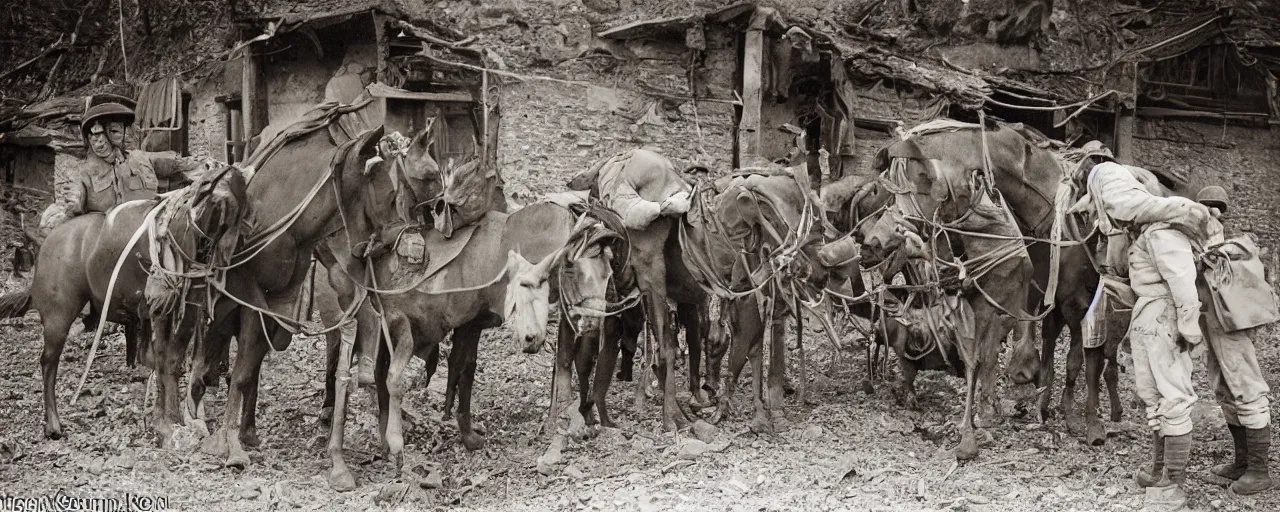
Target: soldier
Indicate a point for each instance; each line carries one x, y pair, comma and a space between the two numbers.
1166, 234
112, 174
1236, 380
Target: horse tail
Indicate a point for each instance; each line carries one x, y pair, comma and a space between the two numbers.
14, 305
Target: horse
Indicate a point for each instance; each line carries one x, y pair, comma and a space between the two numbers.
661, 276
1027, 177
978, 311
759, 218
477, 290
75, 266
305, 185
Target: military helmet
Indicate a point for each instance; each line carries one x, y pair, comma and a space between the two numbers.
104, 111
1213, 196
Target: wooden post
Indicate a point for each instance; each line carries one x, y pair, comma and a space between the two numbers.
752, 70
253, 92
1126, 81
383, 46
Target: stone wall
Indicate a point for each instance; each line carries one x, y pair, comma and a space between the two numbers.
551, 130
1242, 160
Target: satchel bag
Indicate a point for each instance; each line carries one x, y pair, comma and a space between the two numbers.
1242, 297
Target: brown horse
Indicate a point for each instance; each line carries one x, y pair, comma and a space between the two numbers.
757, 220
477, 290
75, 267
301, 193
1028, 177
661, 276
962, 216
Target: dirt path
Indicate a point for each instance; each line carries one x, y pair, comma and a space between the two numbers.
846, 451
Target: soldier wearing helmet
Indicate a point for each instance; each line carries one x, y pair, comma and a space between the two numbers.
112, 174
1236, 379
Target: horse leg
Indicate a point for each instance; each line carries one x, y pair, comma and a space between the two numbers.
584, 362
610, 330
340, 477
56, 326
717, 345
456, 362
760, 422
968, 448
249, 425
159, 362
397, 382
652, 274
777, 359
1095, 434
252, 350
561, 394
332, 350
1075, 363
690, 317
466, 341
210, 354
1050, 329
1112, 377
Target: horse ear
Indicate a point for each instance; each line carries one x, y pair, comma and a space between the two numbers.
543, 269
516, 264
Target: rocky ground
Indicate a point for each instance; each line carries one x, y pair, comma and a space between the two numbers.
846, 450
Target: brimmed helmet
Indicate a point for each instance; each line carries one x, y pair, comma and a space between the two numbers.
103, 111
1213, 196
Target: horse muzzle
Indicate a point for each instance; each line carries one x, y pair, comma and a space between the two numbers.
588, 315
533, 343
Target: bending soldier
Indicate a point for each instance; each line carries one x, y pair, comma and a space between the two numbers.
1166, 234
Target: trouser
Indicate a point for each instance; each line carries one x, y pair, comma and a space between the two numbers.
1162, 374
1234, 374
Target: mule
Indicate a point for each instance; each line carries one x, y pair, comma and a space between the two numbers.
75, 267
756, 219
477, 290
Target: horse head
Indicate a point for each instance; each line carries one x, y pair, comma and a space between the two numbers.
401, 176
584, 267
219, 210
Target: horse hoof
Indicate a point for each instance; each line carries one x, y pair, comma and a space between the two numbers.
868, 387
1097, 436
341, 480
326, 416
1116, 415
53, 433
238, 460
968, 448
761, 425
699, 401
473, 441
216, 444
250, 438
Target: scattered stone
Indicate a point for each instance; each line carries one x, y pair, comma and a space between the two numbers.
1111, 491
432, 480
573, 472
812, 432
704, 431
250, 492
96, 466
1216, 504
692, 448
979, 499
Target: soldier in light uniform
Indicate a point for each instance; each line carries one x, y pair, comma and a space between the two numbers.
1165, 325
1236, 380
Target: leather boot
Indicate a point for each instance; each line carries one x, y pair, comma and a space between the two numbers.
1233, 470
1168, 494
1149, 476
1256, 478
